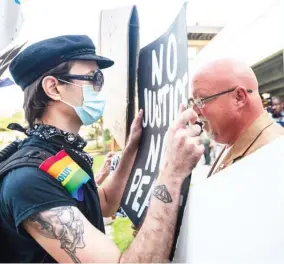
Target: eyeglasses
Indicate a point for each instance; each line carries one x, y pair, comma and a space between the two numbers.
200, 102
97, 79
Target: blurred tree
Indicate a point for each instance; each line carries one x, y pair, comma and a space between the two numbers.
107, 135
97, 131
101, 124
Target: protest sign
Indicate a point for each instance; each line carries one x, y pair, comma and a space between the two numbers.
11, 21
162, 87
236, 216
119, 41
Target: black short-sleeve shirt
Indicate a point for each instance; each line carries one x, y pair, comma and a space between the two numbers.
28, 190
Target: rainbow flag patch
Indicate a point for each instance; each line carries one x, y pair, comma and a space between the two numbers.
64, 169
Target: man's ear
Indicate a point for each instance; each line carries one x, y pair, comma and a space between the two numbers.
241, 95
50, 87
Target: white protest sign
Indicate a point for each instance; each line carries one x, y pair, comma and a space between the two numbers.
237, 215
118, 40
11, 21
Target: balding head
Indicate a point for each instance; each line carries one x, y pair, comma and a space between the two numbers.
232, 112
226, 73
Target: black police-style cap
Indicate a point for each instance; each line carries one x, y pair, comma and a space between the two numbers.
44, 55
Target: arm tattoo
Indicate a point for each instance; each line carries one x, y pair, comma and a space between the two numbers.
161, 192
63, 224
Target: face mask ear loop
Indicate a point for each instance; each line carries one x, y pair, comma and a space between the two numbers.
71, 84
66, 103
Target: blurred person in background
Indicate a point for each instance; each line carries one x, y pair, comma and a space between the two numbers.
207, 146
104, 171
277, 110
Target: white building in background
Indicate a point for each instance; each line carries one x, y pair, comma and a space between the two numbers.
256, 36
198, 37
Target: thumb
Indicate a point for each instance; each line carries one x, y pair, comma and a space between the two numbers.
181, 108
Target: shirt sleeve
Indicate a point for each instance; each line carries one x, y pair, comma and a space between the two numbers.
28, 190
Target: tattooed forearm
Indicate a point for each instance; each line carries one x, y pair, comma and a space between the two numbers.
63, 224
161, 192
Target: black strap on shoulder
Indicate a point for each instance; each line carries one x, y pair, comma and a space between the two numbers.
27, 156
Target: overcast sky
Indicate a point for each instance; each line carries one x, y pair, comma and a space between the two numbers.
54, 17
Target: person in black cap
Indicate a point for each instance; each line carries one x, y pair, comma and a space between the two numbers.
54, 212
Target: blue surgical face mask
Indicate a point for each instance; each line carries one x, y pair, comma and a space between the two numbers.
93, 105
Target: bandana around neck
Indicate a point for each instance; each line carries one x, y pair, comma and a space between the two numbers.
66, 139
51, 133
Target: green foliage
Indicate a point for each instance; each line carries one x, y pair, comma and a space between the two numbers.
107, 135
122, 233
92, 134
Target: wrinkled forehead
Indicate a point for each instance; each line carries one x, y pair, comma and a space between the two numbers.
208, 82
202, 85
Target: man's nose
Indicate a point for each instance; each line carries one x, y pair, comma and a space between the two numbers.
197, 110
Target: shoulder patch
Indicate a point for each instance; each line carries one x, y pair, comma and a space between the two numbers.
64, 169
